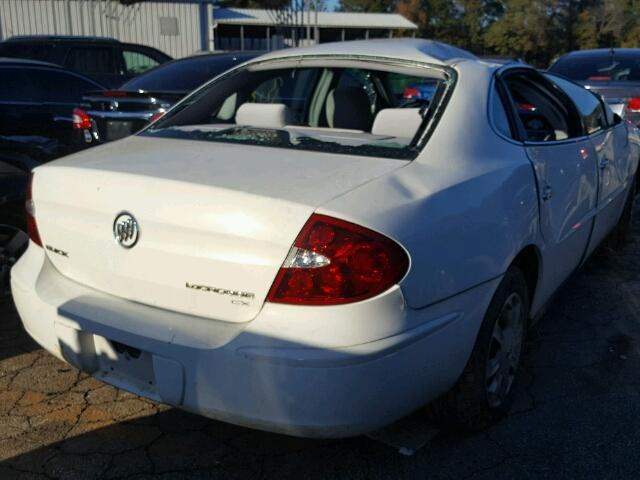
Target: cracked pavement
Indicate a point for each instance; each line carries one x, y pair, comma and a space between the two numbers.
577, 412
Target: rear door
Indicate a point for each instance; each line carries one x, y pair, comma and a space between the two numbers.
565, 164
21, 109
611, 147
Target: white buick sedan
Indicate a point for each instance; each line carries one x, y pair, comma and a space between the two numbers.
323, 240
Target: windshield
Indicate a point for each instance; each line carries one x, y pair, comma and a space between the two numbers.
604, 66
185, 75
358, 109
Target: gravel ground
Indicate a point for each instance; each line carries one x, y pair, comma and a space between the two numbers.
577, 413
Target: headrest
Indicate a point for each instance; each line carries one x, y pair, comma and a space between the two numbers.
265, 115
397, 122
349, 108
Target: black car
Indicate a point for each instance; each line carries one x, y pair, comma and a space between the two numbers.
17, 158
37, 102
105, 60
614, 73
118, 113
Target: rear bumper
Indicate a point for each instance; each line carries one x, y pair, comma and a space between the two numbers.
260, 374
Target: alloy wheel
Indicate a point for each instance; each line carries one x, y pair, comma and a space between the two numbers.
505, 348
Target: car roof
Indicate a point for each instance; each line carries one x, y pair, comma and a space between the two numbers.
28, 62
415, 49
60, 38
596, 51
213, 56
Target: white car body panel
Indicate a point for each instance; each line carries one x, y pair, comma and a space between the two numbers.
226, 215
214, 228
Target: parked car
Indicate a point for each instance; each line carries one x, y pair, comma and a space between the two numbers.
37, 102
105, 60
18, 156
119, 113
612, 72
290, 249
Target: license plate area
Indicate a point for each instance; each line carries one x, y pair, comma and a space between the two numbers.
117, 129
131, 364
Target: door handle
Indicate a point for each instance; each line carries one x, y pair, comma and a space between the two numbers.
604, 163
547, 193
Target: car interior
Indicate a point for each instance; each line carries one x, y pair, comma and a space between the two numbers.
352, 108
544, 116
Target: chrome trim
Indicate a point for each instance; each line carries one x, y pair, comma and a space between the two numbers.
121, 115
120, 99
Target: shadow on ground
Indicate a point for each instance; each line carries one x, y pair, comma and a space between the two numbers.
577, 412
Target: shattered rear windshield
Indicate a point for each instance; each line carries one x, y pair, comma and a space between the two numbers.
343, 109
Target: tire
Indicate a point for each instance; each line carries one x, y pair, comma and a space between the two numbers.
620, 234
478, 399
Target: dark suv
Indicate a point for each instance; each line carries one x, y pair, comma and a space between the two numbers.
105, 60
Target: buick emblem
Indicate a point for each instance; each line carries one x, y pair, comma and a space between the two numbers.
113, 105
125, 230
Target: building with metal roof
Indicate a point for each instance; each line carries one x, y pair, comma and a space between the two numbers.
184, 27
255, 29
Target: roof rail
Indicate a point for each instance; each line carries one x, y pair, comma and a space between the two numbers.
22, 38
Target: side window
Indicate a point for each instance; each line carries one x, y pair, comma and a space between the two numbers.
94, 60
32, 51
588, 104
17, 85
136, 62
62, 87
409, 90
499, 114
544, 114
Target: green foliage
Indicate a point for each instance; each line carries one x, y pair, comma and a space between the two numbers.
535, 30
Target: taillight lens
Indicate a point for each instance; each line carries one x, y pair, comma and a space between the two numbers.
634, 104
81, 119
157, 116
32, 227
410, 92
333, 262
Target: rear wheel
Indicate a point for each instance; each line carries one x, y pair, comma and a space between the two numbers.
485, 391
13, 243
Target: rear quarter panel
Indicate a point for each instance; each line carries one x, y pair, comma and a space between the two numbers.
463, 209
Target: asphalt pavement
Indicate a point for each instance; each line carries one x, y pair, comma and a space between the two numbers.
577, 413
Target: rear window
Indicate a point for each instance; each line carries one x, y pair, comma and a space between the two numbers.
341, 108
599, 67
31, 51
184, 75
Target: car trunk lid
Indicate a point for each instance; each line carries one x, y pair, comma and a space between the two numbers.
215, 221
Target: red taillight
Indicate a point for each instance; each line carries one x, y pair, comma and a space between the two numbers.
527, 107
410, 92
634, 104
156, 116
333, 262
81, 119
32, 227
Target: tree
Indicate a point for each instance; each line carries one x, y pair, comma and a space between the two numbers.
370, 6
530, 29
